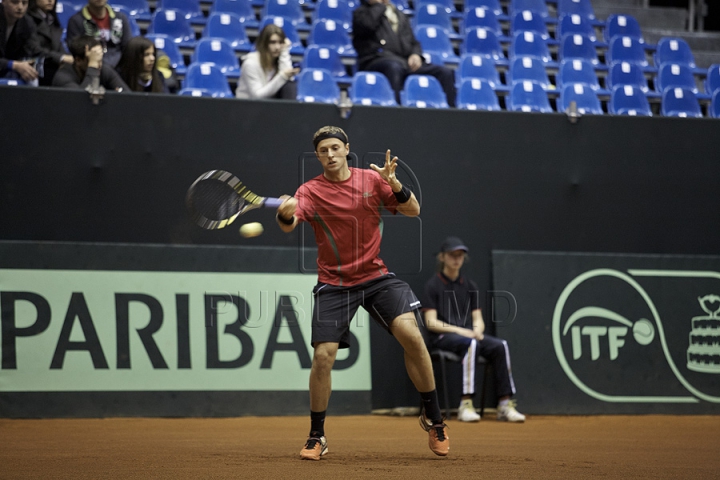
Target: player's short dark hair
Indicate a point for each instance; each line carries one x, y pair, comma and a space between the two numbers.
77, 46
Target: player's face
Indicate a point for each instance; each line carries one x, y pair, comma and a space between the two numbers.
15, 9
332, 154
454, 260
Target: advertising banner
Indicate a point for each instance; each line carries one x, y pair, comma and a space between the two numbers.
109, 329
609, 333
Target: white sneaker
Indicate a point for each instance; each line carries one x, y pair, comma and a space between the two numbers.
467, 413
508, 413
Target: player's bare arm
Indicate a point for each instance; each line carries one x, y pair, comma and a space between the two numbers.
410, 207
285, 217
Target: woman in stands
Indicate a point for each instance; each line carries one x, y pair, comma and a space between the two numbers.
138, 67
268, 71
49, 34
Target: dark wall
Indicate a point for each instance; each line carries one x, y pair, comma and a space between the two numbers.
118, 172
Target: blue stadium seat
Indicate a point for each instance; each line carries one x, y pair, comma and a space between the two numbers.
76, 4
537, 6
317, 86
476, 94
529, 21
401, 5
218, 52
577, 25
575, 7
620, 25
680, 102
529, 44
195, 92
296, 48
492, 5
329, 33
528, 96
12, 82
528, 69
190, 9
209, 77
629, 100
371, 88
431, 14
579, 46
138, 9
288, 9
423, 91
166, 44
326, 58
484, 18
230, 28
625, 73
242, 8
64, 11
677, 75
585, 97
338, 10
481, 68
436, 42
134, 27
712, 80
481, 41
577, 70
628, 49
714, 108
674, 50
173, 24
447, 5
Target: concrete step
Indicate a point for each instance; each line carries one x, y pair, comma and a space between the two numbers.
653, 17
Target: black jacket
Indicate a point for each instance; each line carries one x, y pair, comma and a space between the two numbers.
373, 36
67, 77
50, 43
22, 44
120, 33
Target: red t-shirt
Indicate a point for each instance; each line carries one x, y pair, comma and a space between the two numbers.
103, 26
346, 218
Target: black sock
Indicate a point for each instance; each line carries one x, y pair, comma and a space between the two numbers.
317, 423
432, 406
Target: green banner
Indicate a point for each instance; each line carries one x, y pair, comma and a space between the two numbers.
82, 330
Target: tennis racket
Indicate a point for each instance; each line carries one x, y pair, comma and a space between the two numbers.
218, 197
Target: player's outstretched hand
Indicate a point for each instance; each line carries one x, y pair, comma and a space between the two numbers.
387, 172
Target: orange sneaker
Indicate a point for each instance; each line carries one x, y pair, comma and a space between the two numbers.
314, 448
438, 440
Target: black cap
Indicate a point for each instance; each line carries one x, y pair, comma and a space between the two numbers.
452, 244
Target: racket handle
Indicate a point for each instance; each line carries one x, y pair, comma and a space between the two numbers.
272, 202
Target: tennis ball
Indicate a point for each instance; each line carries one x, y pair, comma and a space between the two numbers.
643, 331
250, 230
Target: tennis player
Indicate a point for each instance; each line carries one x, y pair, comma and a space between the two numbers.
343, 206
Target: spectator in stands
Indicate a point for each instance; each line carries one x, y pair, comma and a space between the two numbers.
88, 66
98, 20
18, 42
385, 43
138, 67
268, 72
49, 32
451, 308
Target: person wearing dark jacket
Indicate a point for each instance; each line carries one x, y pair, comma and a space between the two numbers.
88, 66
49, 33
385, 43
18, 42
98, 20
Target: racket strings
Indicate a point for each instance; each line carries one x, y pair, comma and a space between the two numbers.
215, 200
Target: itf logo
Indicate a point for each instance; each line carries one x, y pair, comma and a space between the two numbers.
617, 344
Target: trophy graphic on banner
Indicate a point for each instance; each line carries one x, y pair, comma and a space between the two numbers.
703, 353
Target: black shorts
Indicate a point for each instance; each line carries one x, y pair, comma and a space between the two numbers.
384, 298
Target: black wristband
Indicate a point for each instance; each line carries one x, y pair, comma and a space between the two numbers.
403, 195
284, 220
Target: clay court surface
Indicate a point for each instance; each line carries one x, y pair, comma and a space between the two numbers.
361, 447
